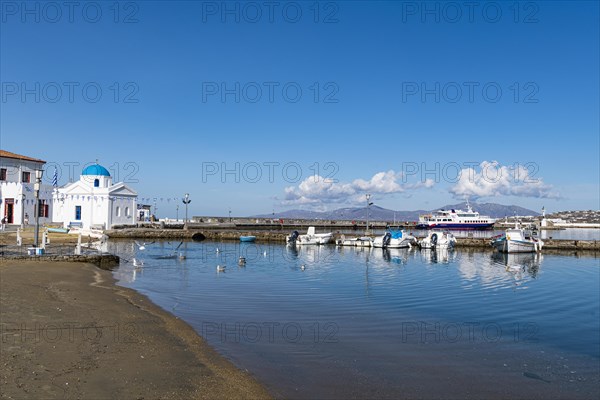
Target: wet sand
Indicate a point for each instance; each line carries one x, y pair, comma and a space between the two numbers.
67, 331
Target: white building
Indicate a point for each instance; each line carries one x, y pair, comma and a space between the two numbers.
93, 202
17, 196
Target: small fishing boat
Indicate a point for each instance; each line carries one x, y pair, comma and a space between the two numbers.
438, 240
310, 238
518, 240
363, 241
247, 238
394, 239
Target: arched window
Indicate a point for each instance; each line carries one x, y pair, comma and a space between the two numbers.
118, 211
127, 211
96, 182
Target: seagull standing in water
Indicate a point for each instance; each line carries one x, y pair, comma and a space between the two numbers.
137, 263
220, 268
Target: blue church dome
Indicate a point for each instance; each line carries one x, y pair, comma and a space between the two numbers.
95, 169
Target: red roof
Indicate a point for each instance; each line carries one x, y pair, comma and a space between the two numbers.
8, 154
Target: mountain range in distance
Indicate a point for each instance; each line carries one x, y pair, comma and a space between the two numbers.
377, 213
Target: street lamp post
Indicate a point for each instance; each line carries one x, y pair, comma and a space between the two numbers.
230, 215
368, 205
186, 200
36, 187
23, 197
177, 212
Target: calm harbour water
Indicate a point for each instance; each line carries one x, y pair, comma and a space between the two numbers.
371, 323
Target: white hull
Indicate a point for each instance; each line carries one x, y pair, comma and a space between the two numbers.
518, 240
401, 243
321, 238
310, 238
515, 246
355, 242
394, 244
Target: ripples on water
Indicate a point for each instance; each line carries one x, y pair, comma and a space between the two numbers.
332, 322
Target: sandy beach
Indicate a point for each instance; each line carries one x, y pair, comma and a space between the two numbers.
67, 331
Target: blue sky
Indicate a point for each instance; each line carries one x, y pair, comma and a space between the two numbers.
418, 103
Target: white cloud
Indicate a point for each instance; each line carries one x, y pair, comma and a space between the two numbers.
493, 179
315, 190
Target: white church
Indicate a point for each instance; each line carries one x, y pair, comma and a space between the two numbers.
94, 202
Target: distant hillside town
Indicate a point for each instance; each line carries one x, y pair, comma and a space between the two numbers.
575, 217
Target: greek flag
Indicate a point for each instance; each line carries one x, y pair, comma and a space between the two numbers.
55, 178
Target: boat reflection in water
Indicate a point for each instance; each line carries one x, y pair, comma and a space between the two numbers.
438, 256
519, 265
396, 256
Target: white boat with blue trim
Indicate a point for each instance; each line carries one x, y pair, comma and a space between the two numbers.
394, 239
455, 219
518, 240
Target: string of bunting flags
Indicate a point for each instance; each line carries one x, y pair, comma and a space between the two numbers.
74, 197
156, 199
102, 198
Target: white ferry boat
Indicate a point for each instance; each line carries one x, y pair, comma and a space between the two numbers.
455, 219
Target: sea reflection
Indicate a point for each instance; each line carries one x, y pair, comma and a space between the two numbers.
438, 256
160, 255
502, 270
528, 263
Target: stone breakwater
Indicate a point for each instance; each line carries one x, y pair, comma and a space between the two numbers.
103, 261
193, 234
279, 237
549, 244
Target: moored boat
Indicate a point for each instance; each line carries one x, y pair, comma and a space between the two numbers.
363, 241
248, 238
438, 240
394, 239
310, 238
518, 240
